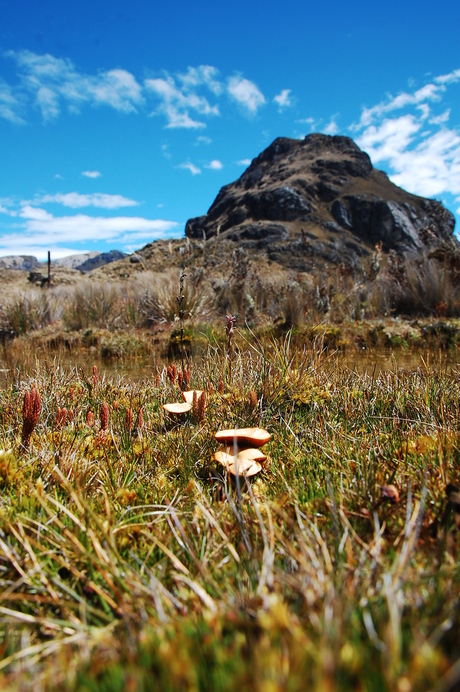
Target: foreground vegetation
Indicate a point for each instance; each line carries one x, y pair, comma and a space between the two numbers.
129, 561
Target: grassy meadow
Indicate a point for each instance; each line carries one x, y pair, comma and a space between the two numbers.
131, 560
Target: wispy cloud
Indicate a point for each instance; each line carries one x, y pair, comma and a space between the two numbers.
185, 99
283, 99
40, 229
178, 96
202, 139
188, 166
246, 94
51, 82
91, 174
244, 162
417, 147
10, 104
75, 200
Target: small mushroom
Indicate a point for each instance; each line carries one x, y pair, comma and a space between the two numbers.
188, 396
244, 467
227, 455
255, 437
177, 409
390, 493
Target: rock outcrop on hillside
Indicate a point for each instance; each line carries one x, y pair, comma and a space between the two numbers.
22, 262
320, 197
100, 260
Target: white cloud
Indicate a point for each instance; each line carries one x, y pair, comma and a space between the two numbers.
202, 75
194, 170
419, 151
177, 101
283, 99
40, 229
91, 174
331, 128
388, 139
202, 139
10, 104
39, 252
440, 119
215, 165
75, 200
244, 162
430, 92
52, 82
246, 94
185, 99
450, 78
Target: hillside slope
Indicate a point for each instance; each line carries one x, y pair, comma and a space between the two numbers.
321, 198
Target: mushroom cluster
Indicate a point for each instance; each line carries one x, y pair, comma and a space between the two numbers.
241, 454
179, 409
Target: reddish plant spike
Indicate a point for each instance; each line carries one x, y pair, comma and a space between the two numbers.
157, 380
195, 404
221, 386
129, 418
95, 375
104, 416
187, 376
252, 399
61, 417
30, 414
140, 420
180, 378
90, 419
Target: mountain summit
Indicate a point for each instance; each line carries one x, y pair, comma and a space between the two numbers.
321, 197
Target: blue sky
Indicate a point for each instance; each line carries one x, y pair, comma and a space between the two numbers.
119, 121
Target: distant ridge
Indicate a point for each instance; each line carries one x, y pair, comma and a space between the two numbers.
83, 261
22, 262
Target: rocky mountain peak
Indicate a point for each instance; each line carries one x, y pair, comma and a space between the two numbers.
321, 192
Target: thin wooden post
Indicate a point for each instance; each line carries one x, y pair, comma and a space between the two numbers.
49, 268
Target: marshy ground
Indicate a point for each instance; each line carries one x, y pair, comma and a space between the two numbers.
129, 560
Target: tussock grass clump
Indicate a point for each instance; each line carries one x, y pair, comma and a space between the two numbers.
128, 560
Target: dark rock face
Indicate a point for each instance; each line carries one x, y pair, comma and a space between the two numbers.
100, 260
327, 188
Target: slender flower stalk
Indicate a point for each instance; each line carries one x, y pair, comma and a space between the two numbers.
231, 320
180, 298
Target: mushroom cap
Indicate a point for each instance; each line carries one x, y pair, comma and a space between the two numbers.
227, 455
255, 437
177, 409
188, 396
245, 467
